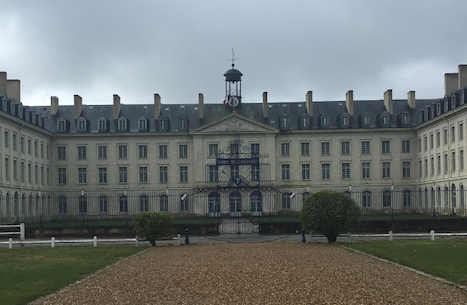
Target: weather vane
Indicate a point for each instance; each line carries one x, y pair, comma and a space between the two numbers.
233, 58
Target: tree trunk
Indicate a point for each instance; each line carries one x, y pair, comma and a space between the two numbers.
153, 242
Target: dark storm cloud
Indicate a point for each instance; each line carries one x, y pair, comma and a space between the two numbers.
181, 48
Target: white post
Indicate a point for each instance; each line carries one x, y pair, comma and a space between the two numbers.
136, 241
94, 239
311, 235
350, 236
179, 242
22, 232
10, 243
391, 238
52, 242
432, 233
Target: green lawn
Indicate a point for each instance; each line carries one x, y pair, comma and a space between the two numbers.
28, 273
443, 258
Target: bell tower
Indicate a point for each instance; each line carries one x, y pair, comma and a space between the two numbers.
233, 85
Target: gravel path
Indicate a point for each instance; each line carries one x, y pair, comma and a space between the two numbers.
257, 273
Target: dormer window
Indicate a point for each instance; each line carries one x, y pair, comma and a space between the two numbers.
438, 108
102, 124
324, 120
4, 106
384, 119
344, 120
183, 123
365, 120
405, 118
61, 125
284, 122
453, 101
20, 112
425, 114
13, 109
304, 121
432, 111
81, 124
446, 104
420, 115
122, 124
163, 124
461, 97
143, 124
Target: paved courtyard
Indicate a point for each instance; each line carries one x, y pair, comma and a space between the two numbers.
257, 273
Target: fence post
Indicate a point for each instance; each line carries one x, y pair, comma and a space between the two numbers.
10, 243
179, 242
391, 238
52, 242
432, 233
22, 232
94, 239
311, 235
136, 241
349, 234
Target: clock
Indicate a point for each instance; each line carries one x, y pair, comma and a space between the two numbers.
233, 101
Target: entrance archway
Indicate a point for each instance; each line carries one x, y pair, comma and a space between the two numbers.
235, 200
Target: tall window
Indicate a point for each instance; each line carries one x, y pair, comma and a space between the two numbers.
102, 175
184, 207
345, 170
285, 149
213, 150
365, 147
305, 148
123, 204
406, 146
438, 138
122, 152
445, 131
7, 139
461, 159
385, 147
163, 151
255, 172
446, 163
163, 173
183, 174
285, 172
254, 149
81, 152
143, 174
345, 148
366, 170
366, 199
102, 124
183, 151
386, 199
143, 124
407, 198
461, 131
325, 150
386, 170
122, 124
7, 168
453, 157
439, 164
305, 171
143, 151
61, 152
102, 152
83, 205
213, 173
432, 144
82, 179
61, 204
285, 201
406, 169
163, 203
453, 134
123, 174
102, 204
326, 171
143, 203
61, 175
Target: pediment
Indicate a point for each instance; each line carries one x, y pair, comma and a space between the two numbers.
234, 123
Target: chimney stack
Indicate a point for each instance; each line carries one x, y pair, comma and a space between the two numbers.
78, 106
116, 108
157, 106
349, 101
411, 99
3, 83
53, 105
462, 76
309, 103
451, 82
13, 89
388, 101
200, 106
265, 104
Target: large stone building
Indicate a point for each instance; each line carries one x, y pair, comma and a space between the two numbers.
232, 158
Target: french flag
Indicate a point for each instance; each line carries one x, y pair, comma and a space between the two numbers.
292, 195
183, 197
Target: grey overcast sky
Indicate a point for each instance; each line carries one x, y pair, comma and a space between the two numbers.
181, 48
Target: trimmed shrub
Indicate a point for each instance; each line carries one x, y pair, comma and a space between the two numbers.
151, 226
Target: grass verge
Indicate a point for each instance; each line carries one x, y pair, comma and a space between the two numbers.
29, 273
442, 258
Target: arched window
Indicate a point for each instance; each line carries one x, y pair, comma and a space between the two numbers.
123, 204
366, 199
462, 196
407, 199
426, 198
16, 204
183, 203
102, 204
83, 205
143, 203
1, 204
30, 211
387, 199
285, 201
439, 196
235, 204
433, 197
446, 196
7, 204
453, 196
23, 205
61, 205
214, 204
163, 203
256, 203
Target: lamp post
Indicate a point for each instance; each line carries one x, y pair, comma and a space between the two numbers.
392, 202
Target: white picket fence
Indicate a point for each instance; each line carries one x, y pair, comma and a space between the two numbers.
432, 235
21, 231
